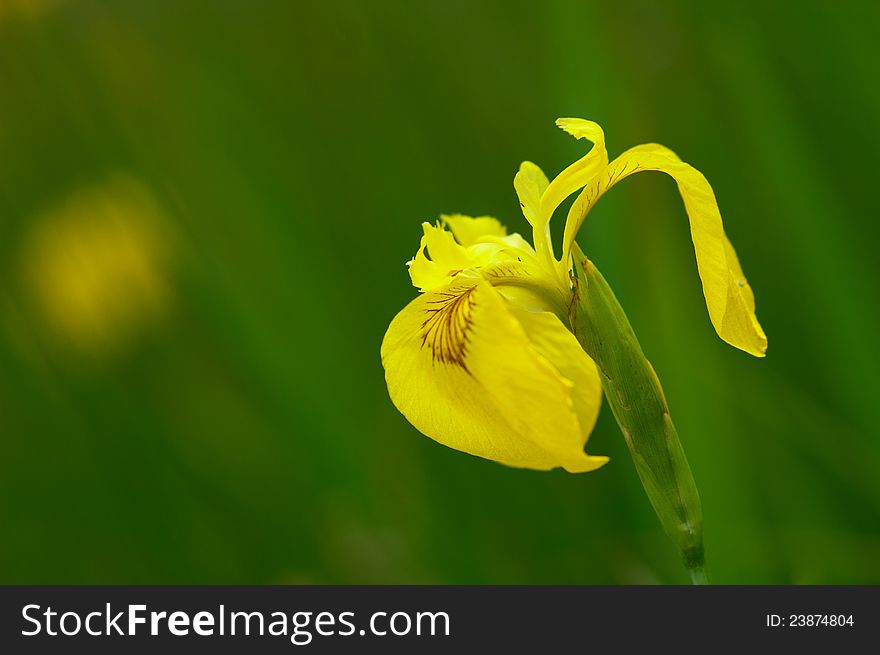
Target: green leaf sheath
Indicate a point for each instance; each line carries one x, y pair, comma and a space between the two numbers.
636, 398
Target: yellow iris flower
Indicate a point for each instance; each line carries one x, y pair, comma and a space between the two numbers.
484, 359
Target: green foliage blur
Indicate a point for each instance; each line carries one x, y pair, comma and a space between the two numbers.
205, 210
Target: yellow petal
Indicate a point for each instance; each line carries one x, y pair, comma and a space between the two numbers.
540, 198
582, 171
729, 298
553, 340
469, 230
442, 255
447, 259
462, 369
482, 230
530, 184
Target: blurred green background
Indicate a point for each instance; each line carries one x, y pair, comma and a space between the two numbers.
205, 210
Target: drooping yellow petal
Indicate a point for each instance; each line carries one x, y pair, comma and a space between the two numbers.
462, 368
554, 341
729, 299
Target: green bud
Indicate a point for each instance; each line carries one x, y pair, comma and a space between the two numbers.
636, 398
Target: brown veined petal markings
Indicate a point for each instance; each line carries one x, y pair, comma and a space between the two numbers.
446, 329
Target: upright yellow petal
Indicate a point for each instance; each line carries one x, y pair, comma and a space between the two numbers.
530, 184
447, 259
540, 198
468, 230
472, 244
475, 233
461, 367
582, 171
729, 299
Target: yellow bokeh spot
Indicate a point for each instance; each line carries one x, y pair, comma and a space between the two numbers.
97, 265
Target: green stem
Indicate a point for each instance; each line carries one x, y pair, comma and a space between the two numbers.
699, 572
637, 401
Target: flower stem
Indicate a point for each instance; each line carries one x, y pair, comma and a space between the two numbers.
637, 401
696, 566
